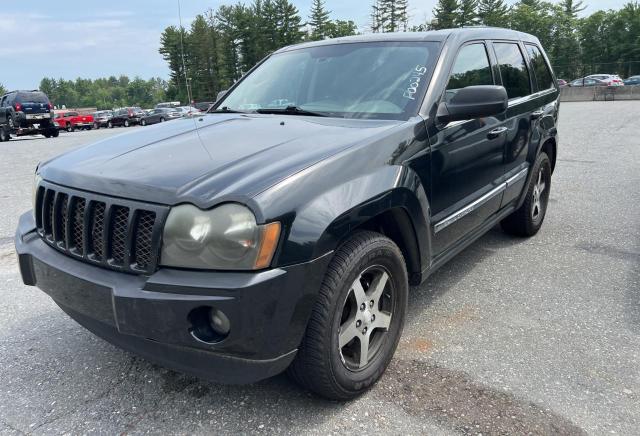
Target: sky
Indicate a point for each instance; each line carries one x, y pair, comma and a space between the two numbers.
98, 39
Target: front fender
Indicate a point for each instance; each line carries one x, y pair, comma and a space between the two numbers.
323, 222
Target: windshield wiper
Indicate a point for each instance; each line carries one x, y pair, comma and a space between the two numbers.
227, 110
291, 110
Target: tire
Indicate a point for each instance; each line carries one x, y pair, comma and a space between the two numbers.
70, 127
4, 134
143, 123
528, 219
55, 133
126, 123
110, 125
162, 120
11, 122
96, 126
47, 135
322, 365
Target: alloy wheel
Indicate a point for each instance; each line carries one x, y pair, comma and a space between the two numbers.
366, 317
538, 192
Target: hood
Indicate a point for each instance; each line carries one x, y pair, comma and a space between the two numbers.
228, 156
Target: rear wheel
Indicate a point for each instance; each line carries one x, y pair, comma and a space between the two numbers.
55, 133
96, 126
70, 127
110, 125
126, 123
4, 134
357, 321
528, 219
162, 119
143, 122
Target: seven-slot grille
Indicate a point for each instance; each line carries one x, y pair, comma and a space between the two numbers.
109, 232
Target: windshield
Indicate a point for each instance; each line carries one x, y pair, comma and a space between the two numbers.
384, 80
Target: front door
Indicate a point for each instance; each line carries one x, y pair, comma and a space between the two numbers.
467, 158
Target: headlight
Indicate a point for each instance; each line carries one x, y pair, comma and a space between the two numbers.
226, 237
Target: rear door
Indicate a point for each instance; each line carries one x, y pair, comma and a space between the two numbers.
523, 111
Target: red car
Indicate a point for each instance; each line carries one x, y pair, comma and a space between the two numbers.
73, 120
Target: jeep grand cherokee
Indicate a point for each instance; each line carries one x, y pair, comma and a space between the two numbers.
282, 229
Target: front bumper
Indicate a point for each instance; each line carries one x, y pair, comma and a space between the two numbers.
149, 315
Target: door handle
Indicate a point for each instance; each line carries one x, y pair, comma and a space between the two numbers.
496, 132
537, 114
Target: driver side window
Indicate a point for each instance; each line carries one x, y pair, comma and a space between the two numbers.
470, 68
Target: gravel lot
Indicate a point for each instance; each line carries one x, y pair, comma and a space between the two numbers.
513, 336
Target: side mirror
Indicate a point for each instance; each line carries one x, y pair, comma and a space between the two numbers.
473, 102
221, 94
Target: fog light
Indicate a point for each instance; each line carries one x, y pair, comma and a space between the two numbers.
219, 321
208, 324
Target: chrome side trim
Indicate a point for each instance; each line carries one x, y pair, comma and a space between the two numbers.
480, 201
521, 174
469, 208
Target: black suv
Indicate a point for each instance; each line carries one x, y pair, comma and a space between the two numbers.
27, 112
283, 229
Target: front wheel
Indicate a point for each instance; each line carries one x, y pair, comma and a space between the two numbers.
4, 134
527, 220
126, 123
70, 127
143, 123
96, 126
110, 125
357, 320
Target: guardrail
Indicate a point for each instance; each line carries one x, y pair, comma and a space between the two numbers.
600, 93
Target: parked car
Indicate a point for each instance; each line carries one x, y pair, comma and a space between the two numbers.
609, 79
168, 104
187, 110
204, 105
288, 237
633, 80
562, 83
160, 116
101, 119
125, 117
70, 121
588, 82
26, 113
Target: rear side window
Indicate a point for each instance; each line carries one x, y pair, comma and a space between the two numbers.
540, 68
513, 69
32, 97
471, 68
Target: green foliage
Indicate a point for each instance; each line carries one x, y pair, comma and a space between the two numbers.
445, 14
3, 90
319, 21
104, 93
390, 16
467, 13
493, 12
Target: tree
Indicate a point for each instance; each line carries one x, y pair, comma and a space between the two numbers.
493, 13
535, 17
319, 21
3, 90
445, 14
572, 8
467, 13
338, 28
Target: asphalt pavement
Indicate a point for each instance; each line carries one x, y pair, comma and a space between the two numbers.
513, 336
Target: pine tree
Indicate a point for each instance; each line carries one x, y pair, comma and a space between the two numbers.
572, 8
319, 20
445, 14
467, 13
493, 13
376, 17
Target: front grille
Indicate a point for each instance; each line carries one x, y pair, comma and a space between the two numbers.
110, 232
